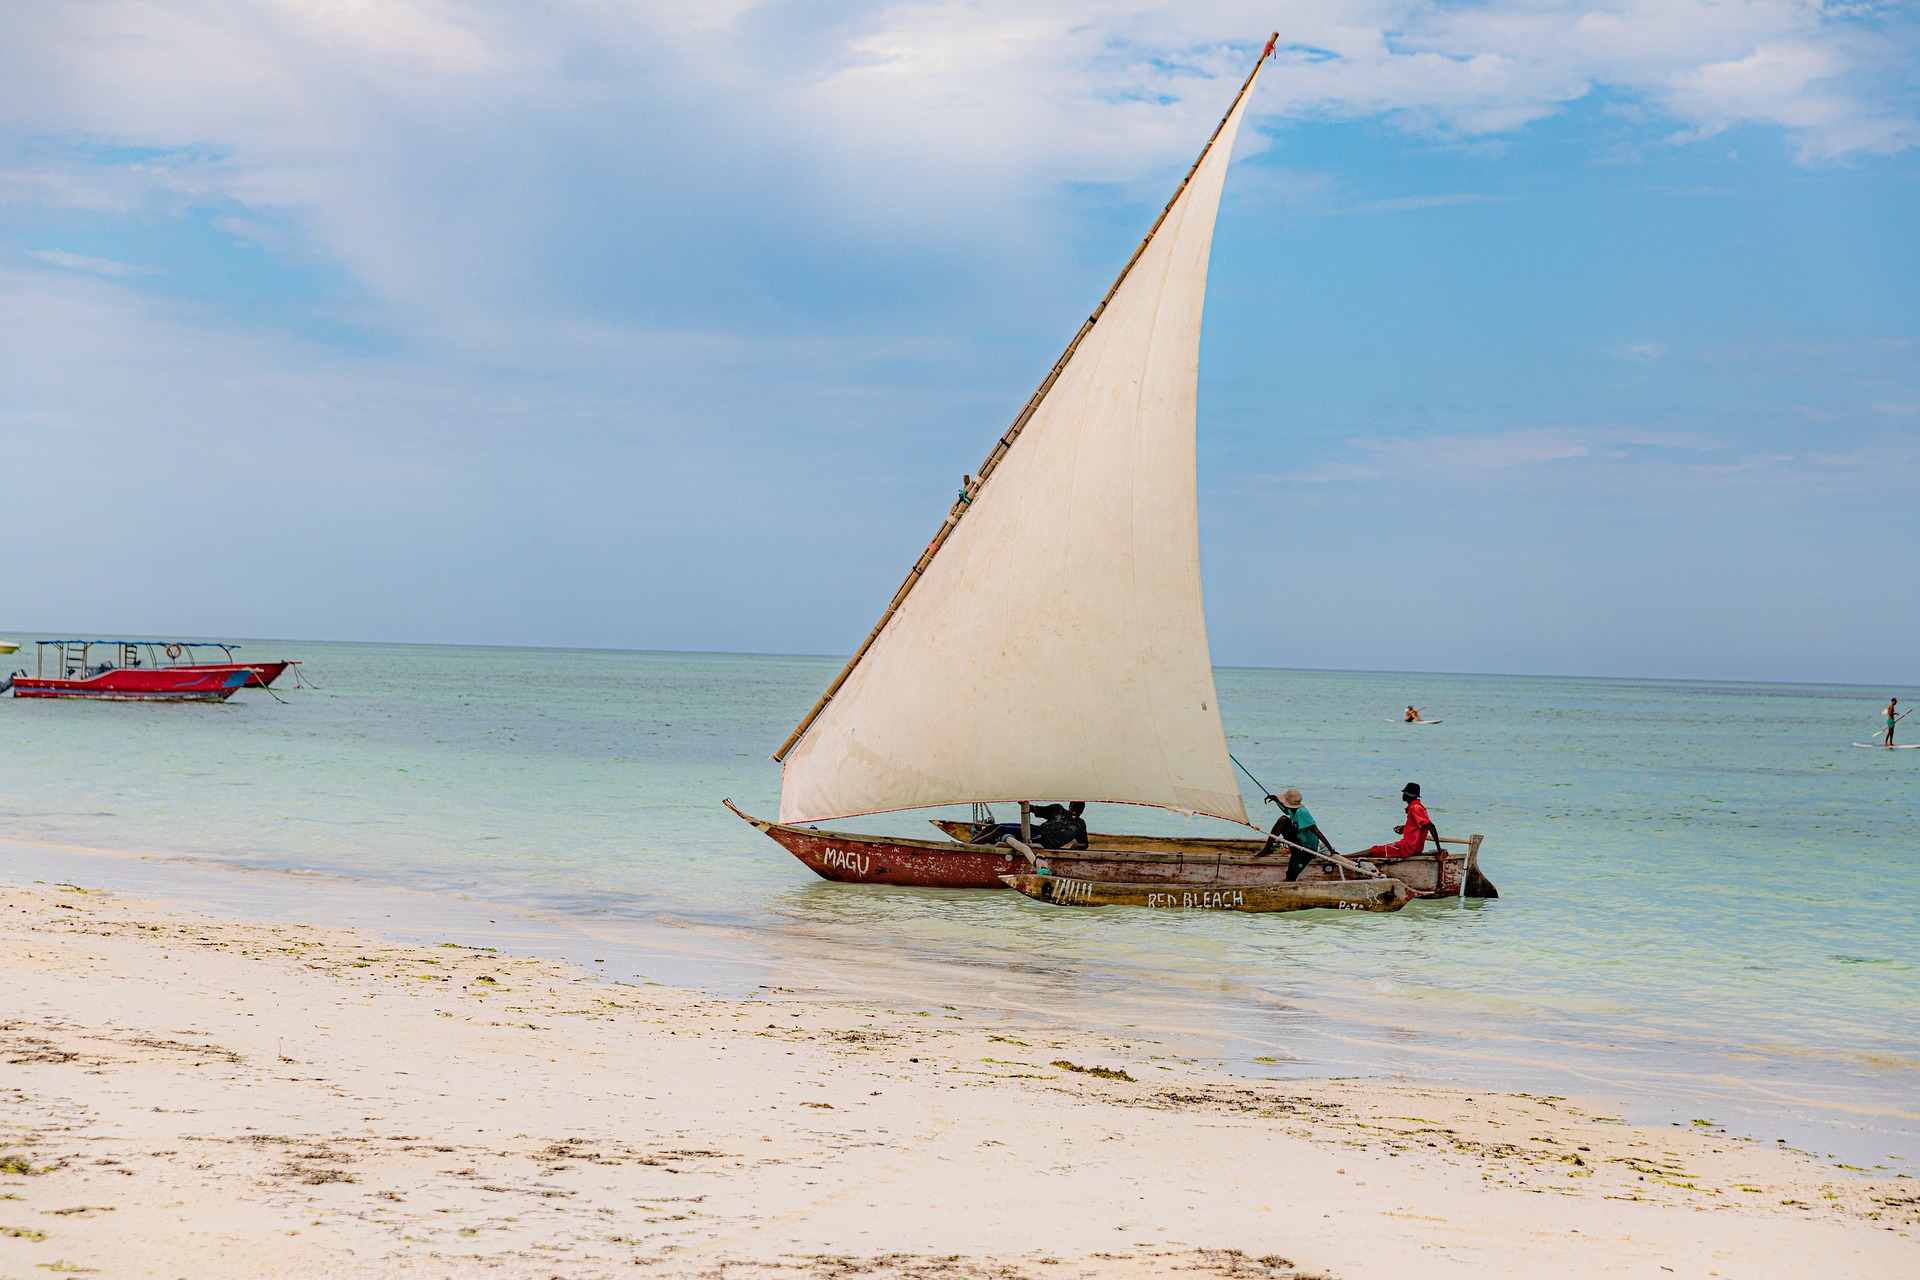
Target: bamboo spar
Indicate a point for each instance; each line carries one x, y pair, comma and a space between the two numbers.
1012, 433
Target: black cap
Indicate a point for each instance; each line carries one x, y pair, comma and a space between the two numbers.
1410, 792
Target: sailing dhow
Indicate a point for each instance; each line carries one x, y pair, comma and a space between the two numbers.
1050, 640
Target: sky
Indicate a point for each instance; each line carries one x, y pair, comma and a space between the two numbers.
1569, 338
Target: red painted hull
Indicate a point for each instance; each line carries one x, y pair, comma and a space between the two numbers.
260, 675
265, 673
858, 859
140, 684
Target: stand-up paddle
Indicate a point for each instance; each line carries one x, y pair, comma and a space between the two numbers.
1887, 743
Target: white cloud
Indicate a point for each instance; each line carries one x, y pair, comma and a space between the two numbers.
414, 139
96, 266
1744, 466
1464, 456
1633, 460
1405, 204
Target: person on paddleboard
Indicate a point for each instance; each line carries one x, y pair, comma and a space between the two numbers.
1413, 832
1413, 715
1893, 718
1297, 827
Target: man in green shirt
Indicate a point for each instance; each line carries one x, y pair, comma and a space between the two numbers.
1297, 827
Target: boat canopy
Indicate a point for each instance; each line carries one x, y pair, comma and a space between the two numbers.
184, 644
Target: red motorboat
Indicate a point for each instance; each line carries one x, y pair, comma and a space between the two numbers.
138, 671
114, 685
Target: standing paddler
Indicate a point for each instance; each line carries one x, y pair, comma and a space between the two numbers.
1893, 717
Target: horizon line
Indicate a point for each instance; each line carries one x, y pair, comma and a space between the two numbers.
829, 657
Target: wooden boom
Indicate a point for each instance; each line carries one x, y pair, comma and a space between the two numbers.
1005, 442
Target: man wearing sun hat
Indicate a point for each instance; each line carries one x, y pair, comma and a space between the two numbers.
1297, 827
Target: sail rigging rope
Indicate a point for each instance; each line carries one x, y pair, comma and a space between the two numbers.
1256, 782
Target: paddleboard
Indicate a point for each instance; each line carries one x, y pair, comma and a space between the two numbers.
1881, 746
1391, 720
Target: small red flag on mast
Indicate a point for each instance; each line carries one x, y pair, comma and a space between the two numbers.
1268, 51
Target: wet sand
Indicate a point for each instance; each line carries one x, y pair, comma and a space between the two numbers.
196, 1096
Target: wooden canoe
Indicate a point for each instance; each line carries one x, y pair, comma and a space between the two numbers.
1236, 860
1383, 894
861, 859
853, 858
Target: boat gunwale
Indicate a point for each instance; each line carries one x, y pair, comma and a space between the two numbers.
1101, 853
857, 837
1193, 846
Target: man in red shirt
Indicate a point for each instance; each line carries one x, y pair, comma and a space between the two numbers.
1413, 833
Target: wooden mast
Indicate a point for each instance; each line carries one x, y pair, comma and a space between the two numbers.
1005, 442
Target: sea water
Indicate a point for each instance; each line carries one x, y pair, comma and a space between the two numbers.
1709, 899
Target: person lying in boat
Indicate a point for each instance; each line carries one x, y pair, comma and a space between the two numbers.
1061, 826
1413, 832
1057, 822
1298, 829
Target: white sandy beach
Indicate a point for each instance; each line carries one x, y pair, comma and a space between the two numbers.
192, 1096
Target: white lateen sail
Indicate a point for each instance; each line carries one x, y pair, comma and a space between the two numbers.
1055, 646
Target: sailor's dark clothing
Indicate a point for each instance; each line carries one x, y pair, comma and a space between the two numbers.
1060, 828
1297, 828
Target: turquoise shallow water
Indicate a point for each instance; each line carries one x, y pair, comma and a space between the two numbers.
1710, 899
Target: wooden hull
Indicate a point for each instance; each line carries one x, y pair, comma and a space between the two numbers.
139, 684
1385, 894
858, 859
1423, 876
1230, 860
938, 864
